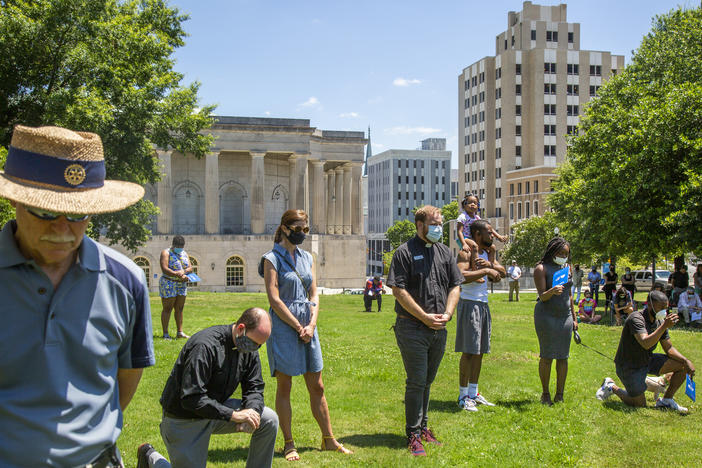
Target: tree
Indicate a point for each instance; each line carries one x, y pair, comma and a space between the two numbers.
103, 66
400, 232
6, 210
632, 181
448, 212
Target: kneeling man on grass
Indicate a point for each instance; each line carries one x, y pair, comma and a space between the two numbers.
635, 358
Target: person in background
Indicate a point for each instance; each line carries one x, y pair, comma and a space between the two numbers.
628, 281
173, 285
76, 331
688, 303
293, 348
610, 285
594, 278
554, 317
577, 282
622, 304
697, 280
425, 281
373, 291
643, 331
680, 281
586, 309
514, 273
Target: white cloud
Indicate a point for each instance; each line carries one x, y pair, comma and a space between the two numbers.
352, 115
311, 102
404, 130
267, 112
405, 82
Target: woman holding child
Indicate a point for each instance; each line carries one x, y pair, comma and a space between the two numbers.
293, 347
554, 316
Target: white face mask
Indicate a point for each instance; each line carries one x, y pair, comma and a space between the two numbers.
660, 315
560, 260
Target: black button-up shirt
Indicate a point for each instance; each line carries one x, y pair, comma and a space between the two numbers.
208, 370
426, 273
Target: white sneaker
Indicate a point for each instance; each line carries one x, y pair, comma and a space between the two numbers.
605, 391
479, 399
669, 403
467, 403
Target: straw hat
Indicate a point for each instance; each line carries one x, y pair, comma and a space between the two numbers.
60, 170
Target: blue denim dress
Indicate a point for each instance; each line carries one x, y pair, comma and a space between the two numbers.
287, 353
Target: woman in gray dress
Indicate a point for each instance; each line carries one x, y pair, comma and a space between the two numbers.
554, 317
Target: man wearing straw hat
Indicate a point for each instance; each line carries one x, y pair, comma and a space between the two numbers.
76, 329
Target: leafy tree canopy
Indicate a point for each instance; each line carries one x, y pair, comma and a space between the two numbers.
632, 182
400, 232
103, 66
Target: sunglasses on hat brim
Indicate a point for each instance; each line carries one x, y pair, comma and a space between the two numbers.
51, 216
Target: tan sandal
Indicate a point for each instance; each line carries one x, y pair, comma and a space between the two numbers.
291, 453
340, 448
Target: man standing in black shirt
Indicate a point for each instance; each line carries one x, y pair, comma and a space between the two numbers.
196, 401
425, 281
635, 358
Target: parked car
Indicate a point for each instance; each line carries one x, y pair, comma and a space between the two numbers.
642, 279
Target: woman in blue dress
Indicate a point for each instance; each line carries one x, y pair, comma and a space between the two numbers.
554, 317
173, 285
293, 347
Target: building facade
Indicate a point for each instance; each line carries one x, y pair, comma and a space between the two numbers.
228, 204
517, 107
398, 181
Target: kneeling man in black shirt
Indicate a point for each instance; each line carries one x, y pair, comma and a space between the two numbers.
635, 358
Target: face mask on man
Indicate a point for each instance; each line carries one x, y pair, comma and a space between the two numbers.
660, 315
434, 233
245, 344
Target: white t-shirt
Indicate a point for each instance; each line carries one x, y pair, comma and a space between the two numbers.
476, 291
514, 272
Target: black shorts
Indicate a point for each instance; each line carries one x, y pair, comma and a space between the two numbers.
634, 379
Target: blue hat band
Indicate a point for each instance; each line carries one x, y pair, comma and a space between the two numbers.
52, 170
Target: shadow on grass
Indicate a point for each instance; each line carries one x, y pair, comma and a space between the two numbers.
517, 405
240, 454
619, 406
395, 441
444, 406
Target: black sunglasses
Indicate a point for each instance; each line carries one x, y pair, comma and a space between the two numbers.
305, 229
51, 216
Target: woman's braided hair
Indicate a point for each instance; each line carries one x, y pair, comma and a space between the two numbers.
554, 246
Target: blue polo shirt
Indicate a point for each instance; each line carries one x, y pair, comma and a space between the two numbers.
60, 351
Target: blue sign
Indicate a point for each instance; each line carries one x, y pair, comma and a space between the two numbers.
690, 388
560, 277
193, 278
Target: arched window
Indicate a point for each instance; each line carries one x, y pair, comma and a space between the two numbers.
145, 265
235, 271
188, 209
193, 263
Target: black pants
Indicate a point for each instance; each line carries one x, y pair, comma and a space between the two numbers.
368, 300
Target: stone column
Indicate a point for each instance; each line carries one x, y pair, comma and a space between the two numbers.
331, 201
258, 205
293, 183
212, 193
339, 194
317, 189
301, 197
357, 205
348, 199
165, 194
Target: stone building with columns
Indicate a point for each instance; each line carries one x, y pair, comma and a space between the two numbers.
228, 204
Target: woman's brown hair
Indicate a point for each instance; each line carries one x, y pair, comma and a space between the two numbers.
288, 218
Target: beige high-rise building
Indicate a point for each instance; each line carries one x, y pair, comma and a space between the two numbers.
516, 108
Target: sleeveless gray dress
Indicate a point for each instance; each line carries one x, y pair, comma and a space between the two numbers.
553, 320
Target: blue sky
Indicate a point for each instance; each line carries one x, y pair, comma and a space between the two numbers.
389, 64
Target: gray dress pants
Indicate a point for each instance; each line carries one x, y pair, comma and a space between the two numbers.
187, 440
422, 350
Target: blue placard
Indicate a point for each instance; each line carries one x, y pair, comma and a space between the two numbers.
193, 278
690, 388
560, 277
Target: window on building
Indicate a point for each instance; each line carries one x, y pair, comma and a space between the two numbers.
526, 209
498, 113
573, 68
498, 73
482, 77
498, 93
145, 265
482, 116
482, 134
526, 187
482, 96
519, 210
498, 172
549, 129
399, 211
518, 69
595, 70
195, 265
594, 90
512, 41
572, 90
519, 188
572, 110
498, 192
235, 271
551, 36
570, 38
407, 179
549, 88
572, 129
518, 130
536, 208
482, 155
498, 133
614, 71
518, 150
533, 34
549, 109
518, 109
482, 174
505, 44
498, 212
536, 186
518, 90
399, 195
549, 67
511, 189
498, 153
511, 211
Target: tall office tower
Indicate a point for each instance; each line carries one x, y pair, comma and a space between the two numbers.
398, 181
516, 108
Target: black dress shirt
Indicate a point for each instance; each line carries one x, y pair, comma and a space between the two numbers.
208, 370
426, 273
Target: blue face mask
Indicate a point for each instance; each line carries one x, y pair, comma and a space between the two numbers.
434, 234
177, 249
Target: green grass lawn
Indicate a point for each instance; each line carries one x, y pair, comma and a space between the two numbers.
364, 381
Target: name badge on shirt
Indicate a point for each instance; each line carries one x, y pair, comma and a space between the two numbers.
418, 257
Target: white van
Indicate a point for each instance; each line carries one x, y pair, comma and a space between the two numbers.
642, 279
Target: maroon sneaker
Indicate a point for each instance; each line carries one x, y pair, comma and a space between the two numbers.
428, 437
415, 446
